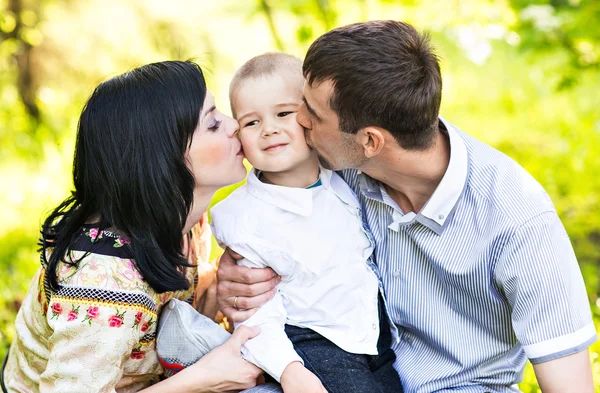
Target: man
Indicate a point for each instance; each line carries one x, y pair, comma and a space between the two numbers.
477, 270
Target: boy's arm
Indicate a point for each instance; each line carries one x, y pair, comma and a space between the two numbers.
271, 350
252, 287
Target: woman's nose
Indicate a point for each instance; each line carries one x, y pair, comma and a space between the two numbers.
232, 127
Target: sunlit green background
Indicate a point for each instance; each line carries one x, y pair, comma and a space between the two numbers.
520, 75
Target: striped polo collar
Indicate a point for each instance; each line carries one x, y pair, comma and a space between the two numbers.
439, 207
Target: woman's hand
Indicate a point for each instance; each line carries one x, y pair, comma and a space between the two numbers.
223, 367
221, 370
252, 287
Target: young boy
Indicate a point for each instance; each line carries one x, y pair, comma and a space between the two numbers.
323, 325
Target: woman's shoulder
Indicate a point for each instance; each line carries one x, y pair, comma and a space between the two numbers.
104, 271
103, 260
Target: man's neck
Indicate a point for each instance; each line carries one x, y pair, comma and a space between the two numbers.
411, 177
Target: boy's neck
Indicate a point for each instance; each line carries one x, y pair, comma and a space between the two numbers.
300, 176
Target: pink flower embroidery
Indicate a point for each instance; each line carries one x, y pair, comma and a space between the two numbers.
147, 325
56, 310
120, 242
93, 233
73, 314
117, 319
138, 319
137, 353
92, 313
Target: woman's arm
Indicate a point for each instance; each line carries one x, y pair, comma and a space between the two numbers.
221, 370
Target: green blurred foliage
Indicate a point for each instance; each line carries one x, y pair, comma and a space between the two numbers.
520, 75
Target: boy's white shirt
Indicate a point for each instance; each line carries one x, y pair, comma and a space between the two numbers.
315, 240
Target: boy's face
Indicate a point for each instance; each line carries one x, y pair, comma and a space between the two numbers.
265, 108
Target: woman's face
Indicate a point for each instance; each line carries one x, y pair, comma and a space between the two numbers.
215, 154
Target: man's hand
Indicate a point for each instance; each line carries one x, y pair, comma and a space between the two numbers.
297, 379
570, 374
252, 287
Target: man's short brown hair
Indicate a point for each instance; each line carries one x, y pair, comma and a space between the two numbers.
384, 74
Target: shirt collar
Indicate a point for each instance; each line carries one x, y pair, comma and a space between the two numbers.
298, 200
437, 209
445, 196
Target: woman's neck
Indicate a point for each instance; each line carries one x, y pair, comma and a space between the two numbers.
202, 198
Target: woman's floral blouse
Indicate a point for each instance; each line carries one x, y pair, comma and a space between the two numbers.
97, 332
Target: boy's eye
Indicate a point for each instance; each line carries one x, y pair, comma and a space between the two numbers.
284, 114
251, 123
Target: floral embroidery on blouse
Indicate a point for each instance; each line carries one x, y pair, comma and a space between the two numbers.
102, 318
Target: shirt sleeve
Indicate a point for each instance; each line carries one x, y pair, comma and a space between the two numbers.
92, 338
539, 275
271, 350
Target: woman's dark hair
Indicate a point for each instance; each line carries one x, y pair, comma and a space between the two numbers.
130, 172
384, 74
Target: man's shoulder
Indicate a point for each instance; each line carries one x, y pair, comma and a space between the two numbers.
502, 183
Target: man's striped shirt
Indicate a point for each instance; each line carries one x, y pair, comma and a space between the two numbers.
483, 278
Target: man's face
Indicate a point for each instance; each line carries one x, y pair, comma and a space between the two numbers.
336, 150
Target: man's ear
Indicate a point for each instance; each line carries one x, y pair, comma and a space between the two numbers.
372, 140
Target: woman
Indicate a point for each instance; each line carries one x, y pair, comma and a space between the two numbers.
151, 151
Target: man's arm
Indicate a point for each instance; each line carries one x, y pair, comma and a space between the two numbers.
539, 275
570, 374
252, 287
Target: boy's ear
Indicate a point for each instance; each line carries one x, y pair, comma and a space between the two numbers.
372, 140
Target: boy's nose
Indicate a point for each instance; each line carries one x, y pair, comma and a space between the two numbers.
270, 130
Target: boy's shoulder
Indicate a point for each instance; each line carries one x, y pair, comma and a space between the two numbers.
238, 202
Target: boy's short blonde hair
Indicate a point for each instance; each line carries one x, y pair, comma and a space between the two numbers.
265, 65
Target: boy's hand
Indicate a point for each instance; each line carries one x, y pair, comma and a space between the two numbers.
252, 287
297, 379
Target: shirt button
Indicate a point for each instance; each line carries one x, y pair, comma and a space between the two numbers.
374, 326
441, 216
397, 273
409, 339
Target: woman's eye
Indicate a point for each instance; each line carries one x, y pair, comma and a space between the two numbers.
251, 123
284, 114
215, 125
